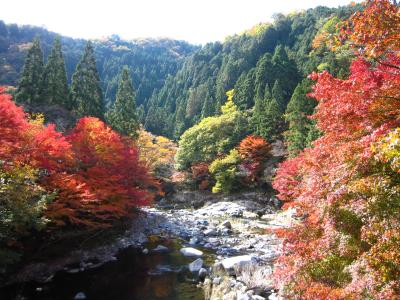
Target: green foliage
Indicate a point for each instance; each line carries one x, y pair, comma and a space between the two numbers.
267, 117
123, 116
225, 172
31, 78
331, 270
301, 130
213, 136
54, 88
87, 95
22, 203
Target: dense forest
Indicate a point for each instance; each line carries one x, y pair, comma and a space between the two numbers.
150, 61
322, 83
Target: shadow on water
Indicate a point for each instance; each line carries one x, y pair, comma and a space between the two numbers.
133, 276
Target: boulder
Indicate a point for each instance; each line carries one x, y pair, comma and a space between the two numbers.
188, 251
210, 232
196, 265
226, 224
231, 262
203, 273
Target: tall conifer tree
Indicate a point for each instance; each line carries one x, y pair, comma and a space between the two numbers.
123, 115
54, 88
267, 118
87, 96
28, 90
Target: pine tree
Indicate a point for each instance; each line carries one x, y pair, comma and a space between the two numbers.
28, 90
54, 87
299, 108
244, 90
87, 96
123, 115
277, 94
208, 108
267, 117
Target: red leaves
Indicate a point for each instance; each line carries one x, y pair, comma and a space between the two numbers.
105, 182
288, 178
95, 172
375, 31
339, 184
254, 151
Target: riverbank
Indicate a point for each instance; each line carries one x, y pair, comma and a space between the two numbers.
221, 227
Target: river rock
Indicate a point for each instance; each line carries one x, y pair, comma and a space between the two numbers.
194, 240
210, 232
216, 280
242, 296
188, 251
161, 249
203, 273
231, 262
80, 296
226, 224
196, 265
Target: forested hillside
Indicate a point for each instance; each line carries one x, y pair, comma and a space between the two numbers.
274, 56
151, 61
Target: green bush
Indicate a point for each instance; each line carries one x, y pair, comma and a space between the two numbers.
22, 202
213, 136
225, 172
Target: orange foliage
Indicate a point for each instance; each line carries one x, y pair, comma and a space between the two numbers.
201, 175
375, 30
106, 181
96, 173
254, 151
347, 247
155, 150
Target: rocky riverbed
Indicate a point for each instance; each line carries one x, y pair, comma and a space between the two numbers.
224, 241
237, 228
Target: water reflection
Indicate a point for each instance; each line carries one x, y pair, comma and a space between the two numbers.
133, 276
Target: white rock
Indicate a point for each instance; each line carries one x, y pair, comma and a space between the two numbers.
188, 251
229, 263
217, 280
160, 248
250, 215
210, 232
194, 240
196, 265
257, 297
240, 296
145, 251
80, 296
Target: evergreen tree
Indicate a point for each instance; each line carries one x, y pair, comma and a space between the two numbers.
180, 120
299, 108
277, 94
267, 117
208, 108
244, 90
28, 90
54, 88
87, 95
141, 114
123, 115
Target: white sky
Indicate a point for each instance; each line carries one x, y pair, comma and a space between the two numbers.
196, 21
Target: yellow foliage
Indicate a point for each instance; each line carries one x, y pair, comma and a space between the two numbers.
155, 150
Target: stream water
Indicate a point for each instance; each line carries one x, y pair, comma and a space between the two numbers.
132, 276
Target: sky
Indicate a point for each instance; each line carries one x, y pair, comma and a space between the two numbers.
196, 21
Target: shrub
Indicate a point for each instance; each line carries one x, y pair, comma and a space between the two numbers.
225, 172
